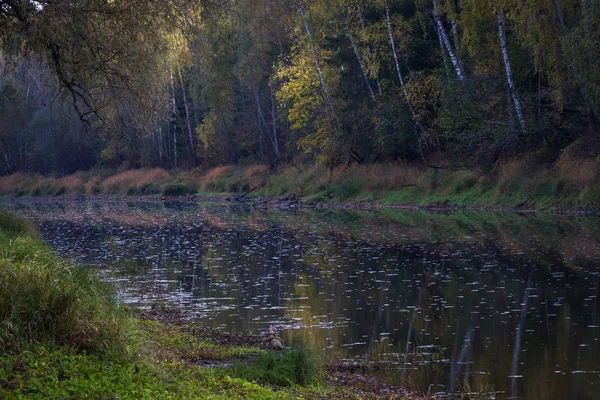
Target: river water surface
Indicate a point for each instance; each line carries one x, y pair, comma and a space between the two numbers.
501, 304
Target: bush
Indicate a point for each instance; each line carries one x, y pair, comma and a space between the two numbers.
176, 189
15, 225
44, 300
299, 365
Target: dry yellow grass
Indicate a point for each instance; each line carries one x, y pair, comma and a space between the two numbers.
133, 178
214, 175
579, 172
217, 172
10, 182
255, 175
512, 171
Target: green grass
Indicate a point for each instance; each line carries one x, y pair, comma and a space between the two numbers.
61, 336
298, 365
172, 343
44, 300
514, 183
58, 373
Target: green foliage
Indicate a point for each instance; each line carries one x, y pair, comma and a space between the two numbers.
176, 189
44, 300
56, 372
14, 225
298, 365
267, 82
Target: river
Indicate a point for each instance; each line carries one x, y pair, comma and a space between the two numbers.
502, 305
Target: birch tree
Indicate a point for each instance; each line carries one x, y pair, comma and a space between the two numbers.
509, 78
446, 42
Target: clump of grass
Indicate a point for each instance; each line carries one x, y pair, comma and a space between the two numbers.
13, 225
134, 178
15, 183
255, 175
176, 189
215, 180
44, 300
299, 365
579, 172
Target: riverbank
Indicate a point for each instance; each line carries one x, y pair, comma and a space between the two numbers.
61, 336
521, 184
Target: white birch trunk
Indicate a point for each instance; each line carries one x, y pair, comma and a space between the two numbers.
561, 19
444, 52
274, 116
187, 113
369, 50
442, 32
400, 78
173, 117
455, 34
360, 62
317, 65
511, 84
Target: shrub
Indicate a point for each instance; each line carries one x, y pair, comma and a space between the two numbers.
299, 365
176, 189
15, 225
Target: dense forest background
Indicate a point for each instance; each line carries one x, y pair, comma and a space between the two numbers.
180, 84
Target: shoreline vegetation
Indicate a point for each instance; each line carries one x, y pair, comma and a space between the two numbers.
571, 184
62, 336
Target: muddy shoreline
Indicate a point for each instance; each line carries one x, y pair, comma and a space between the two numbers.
353, 381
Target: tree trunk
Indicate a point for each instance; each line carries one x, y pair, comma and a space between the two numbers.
561, 19
160, 144
187, 114
174, 119
441, 31
259, 110
455, 34
444, 51
511, 84
369, 50
360, 62
400, 78
317, 65
418, 125
274, 115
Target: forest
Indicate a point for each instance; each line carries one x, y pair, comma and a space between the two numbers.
184, 84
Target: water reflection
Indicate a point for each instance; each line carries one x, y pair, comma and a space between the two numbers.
470, 302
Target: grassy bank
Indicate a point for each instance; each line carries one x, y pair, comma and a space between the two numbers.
61, 336
569, 183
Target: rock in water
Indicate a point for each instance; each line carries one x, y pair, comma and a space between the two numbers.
276, 344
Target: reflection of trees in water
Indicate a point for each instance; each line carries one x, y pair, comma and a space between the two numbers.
492, 291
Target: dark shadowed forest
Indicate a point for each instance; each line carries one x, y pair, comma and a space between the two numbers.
182, 84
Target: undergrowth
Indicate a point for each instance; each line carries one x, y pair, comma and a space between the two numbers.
568, 183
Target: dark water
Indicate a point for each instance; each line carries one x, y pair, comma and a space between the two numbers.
500, 304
